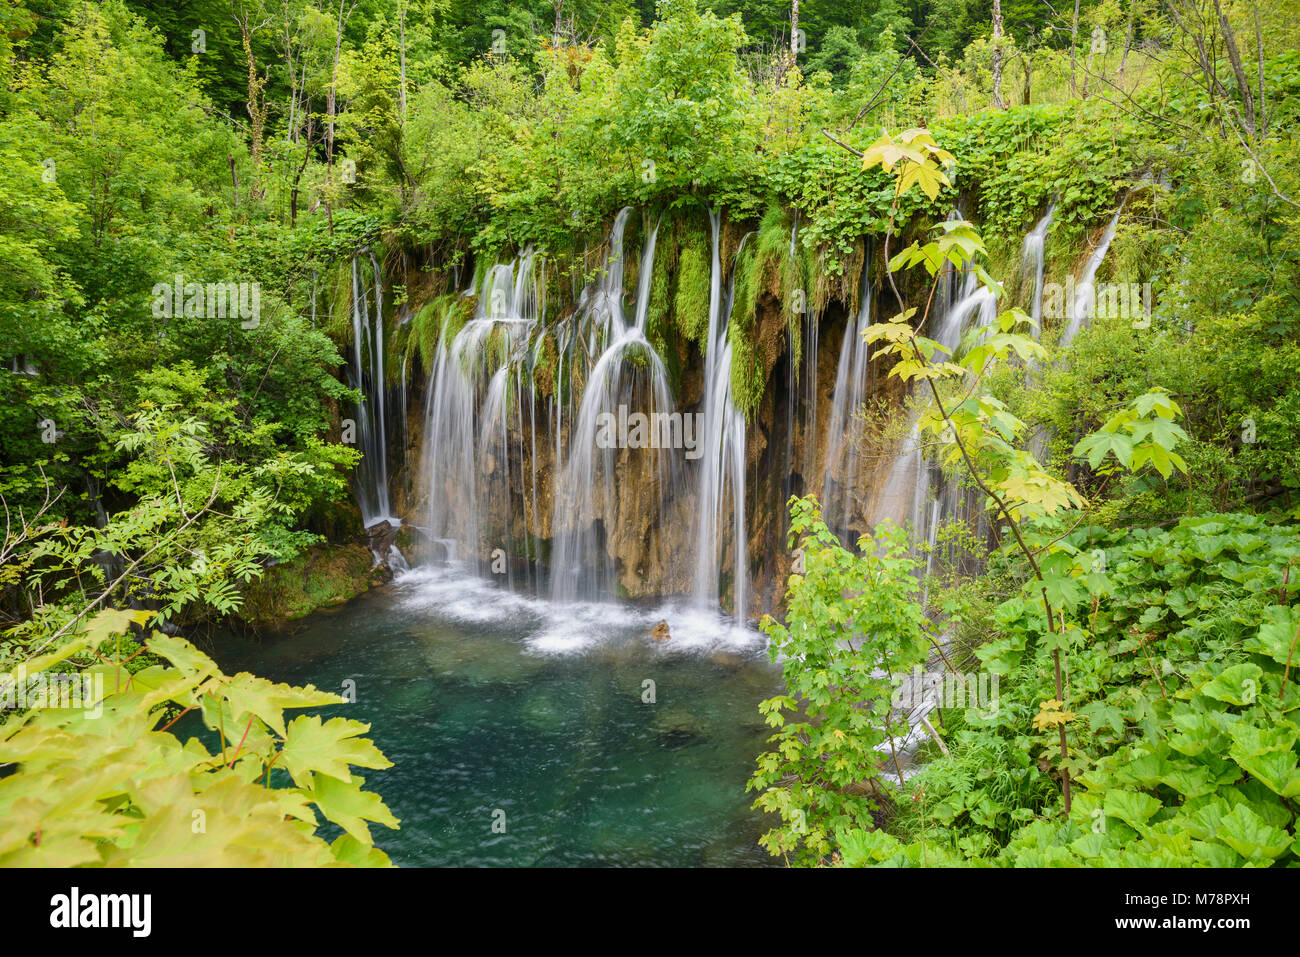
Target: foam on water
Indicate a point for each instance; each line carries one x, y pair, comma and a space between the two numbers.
457, 594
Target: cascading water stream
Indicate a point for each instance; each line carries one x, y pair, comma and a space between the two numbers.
1032, 259
483, 449
976, 302
914, 491
844, 438
1081, 309
722, 465
629, 375
367, 376
467, 459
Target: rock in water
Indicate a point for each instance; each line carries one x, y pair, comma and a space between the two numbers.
660, 632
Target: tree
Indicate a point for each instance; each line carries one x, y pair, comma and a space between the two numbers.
997, 54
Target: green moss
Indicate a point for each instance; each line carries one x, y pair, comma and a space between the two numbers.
746, 376
337, 286
764, 267
425, 327
325, 576
691, 303
667, 250
483, 262
396, 343
632, 243
456, 314
444, 315
787, 277
657, 318
543, 375
797, 299
496, 348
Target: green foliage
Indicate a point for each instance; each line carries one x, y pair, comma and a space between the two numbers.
1040, 626
200, 524
1023, 160
1183, 737
683, 104
165, 461
850, 615
104, 783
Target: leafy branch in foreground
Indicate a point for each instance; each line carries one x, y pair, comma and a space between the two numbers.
107, 783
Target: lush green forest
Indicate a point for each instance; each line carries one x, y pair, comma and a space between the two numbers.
1124, 559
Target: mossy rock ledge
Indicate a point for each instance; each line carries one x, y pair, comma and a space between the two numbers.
323, 578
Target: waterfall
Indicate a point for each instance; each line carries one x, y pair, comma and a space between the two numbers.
467, 459
367, 376
902, 495
406, 439
843, 470
1081, 309
609, 504
1032, 259
976, 302
628, 376
915, 491
955, 303
948, 292
811, 347
792, 405
1078, 312
722, 466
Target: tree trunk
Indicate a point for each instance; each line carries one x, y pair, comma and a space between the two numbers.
292, 70
794, 30
997, 54
1128, 39
401, 28
1243, 84
256, 103
297, 180
331, 96
1074, 45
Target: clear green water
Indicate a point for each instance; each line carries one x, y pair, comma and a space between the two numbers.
487, 702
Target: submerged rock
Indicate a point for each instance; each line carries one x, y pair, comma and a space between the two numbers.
475, 660
728, 661
676, 727
541, 712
